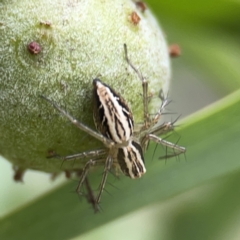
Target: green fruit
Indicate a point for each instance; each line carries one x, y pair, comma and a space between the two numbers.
56, 48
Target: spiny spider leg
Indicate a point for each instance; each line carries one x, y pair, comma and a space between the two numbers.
108, 142
83, 176
83, 127
90, 196
159, 130
145, 89
151, 122
163, 128
165, 102
107, 168
171, 155
166, 143
89, 154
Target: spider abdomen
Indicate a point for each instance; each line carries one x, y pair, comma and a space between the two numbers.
131, 161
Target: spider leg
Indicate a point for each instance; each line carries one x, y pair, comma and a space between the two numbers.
147, 119
90, 196
162, 128
83, 127
165, 102
82, 155
84, 180
108, 165
177, 149
155, 130
83, 176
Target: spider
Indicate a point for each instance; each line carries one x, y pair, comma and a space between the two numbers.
114, 122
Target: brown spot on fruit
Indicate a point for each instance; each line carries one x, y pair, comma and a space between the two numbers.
34, 48
141, 5
135, 18
174, 50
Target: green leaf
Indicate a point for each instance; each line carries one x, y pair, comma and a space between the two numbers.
211, 153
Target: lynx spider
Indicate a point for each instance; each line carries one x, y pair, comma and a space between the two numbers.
123, 144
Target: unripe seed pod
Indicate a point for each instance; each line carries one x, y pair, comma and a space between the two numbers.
74, 42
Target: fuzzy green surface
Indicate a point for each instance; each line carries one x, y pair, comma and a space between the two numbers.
84, 41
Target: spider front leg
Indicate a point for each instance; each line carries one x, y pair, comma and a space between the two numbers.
151, 126
83, 155
165, 102
147, 119
108, 142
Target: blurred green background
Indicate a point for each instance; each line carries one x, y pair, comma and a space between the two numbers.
196, 198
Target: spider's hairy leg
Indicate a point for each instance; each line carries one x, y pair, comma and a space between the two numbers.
90, 195
156, 130
160, 129
176, 148
83, 127
165, 102
82, 155
147, 119
107, 168
84, 174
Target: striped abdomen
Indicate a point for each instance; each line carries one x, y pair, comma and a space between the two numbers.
131, 161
